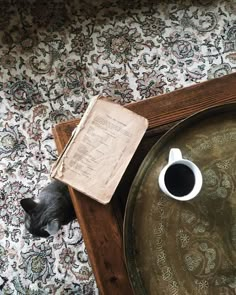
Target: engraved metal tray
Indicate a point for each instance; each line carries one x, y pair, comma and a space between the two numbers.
174, 247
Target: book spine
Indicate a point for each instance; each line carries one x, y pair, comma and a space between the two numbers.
58, 168
85, 116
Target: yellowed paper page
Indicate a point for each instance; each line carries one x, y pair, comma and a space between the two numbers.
99, 154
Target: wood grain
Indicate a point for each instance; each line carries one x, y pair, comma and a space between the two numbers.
102, 225
181, 103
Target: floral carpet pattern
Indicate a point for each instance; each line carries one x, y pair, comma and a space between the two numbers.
55, 55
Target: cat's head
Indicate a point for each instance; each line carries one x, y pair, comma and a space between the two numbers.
38, 220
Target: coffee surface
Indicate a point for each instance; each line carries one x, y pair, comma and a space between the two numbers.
179, 180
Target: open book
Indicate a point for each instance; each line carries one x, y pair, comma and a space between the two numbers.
100, 149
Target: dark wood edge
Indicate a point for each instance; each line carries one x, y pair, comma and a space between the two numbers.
181, 103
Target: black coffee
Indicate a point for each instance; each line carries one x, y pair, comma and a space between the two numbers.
179, 180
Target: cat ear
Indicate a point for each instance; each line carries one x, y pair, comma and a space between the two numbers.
28, 205
52, 227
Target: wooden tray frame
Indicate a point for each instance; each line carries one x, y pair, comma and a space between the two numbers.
102, 226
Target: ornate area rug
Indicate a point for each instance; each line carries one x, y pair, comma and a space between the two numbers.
55, 55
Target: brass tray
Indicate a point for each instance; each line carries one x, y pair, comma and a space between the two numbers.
174, 247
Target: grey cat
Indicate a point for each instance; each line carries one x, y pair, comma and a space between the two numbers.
53, 209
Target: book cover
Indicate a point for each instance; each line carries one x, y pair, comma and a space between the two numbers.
100, 149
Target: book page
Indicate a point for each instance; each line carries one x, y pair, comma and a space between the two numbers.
98, 156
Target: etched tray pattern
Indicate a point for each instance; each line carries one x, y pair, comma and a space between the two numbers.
174, 247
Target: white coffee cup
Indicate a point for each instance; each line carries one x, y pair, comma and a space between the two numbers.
180, 179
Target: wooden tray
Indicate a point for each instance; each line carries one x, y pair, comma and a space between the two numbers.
174, 247
102, 226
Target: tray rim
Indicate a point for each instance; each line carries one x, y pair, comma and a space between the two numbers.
134, 278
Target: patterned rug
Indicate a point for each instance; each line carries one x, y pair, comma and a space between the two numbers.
55, 55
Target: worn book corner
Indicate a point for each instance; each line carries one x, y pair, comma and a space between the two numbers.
100, 149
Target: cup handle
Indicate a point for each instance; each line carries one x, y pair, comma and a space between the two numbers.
174, 155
